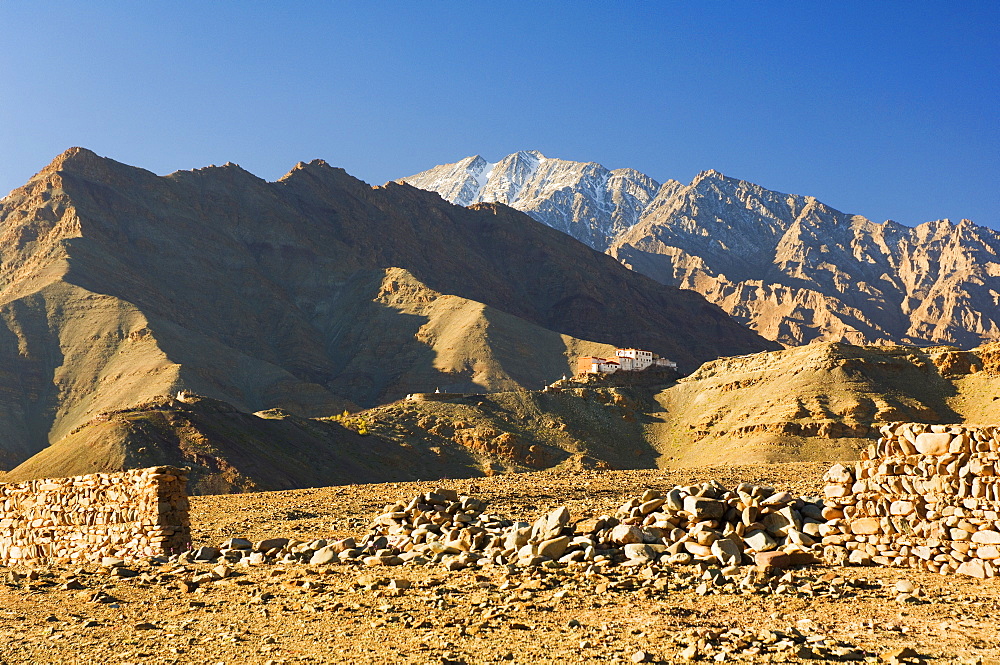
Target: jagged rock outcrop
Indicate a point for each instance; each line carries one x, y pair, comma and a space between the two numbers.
790, 267
583, 199
313, 293
797, 271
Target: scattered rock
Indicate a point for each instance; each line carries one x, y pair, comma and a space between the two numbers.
900, 655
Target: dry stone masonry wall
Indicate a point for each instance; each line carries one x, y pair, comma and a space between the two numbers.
925, 496
137, 513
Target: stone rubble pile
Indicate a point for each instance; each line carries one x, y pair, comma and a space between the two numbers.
700, 524
704, 523
134, 514
708, 523
924, 496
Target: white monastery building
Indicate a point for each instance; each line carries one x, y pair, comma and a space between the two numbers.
625, 360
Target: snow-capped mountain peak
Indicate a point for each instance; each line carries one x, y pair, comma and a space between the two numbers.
583, 199
789, 266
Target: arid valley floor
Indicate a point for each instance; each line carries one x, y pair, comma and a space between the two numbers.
426, 614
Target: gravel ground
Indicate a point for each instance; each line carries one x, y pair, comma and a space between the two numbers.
345, 613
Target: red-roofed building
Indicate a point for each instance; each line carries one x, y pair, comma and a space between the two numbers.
595, 365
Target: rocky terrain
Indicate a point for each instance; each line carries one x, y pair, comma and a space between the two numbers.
280, 305
817, 402
312, 294
790, 267
248, 607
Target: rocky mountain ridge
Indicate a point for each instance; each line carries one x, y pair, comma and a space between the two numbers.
821, 401
314, 293
790, 267
583, 199
797, 271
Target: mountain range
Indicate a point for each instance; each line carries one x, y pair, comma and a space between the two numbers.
214, 320
311, 294
790, 267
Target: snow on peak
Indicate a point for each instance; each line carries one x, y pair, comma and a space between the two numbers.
583, 199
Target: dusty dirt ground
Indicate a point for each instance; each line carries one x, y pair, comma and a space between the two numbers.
346, 613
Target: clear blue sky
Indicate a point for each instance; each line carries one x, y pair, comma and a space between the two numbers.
886, 109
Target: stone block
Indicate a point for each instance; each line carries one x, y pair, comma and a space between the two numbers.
270, 544
839, 473
973, 568
835, 491
777, 524
832, 513
702, 508
625, 534
553, 547
859, 558
835, 555
727, 551
901, 508
643, 552
760, 541
768, 561
986, 537
701, 551
651, 505
933, 443
990, 552
550, 525
323, 556
959, 443
866, 526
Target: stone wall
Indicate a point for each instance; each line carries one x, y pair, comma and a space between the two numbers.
925, 496
138, 513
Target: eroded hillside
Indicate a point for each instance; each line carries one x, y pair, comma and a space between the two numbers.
818, 402
813, 403
229, 451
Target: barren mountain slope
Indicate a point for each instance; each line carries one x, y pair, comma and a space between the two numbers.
523, 430
796, 270
231, 451
312, 293
818, 402
821, 401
